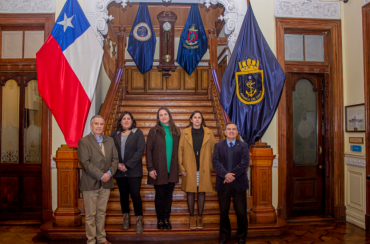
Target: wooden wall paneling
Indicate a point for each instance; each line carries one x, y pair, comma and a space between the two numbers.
333, 30
191, 81
174, 82
137, 80
155, 81
366, 44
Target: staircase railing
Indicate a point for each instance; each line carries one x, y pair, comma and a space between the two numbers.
215, 78
114, 65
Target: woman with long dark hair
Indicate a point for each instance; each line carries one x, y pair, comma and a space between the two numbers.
195, 162
130, 144
161, 161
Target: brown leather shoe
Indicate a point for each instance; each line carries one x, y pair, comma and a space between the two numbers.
200, 222
192, 222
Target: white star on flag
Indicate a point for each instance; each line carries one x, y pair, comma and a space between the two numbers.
66, 22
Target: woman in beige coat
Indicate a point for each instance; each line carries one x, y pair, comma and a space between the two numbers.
195, 164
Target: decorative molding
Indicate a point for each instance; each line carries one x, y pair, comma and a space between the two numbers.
307, 9
27, 6
358, 162
96, 12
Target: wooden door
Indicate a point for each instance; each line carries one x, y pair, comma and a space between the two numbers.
20, 165
306, 130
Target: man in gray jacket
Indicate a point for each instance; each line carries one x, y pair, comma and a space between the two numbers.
99, 159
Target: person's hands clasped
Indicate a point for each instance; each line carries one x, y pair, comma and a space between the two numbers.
106, 177
229, 177
122, 167
153, 174
183, 173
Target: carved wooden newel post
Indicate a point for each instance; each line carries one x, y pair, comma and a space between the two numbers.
67, 212
261, 177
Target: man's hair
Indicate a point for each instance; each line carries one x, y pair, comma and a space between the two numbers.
231, 123
96, 116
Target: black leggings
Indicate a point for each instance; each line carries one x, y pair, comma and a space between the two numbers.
130, 186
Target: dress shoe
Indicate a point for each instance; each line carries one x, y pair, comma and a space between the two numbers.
241, 241
224, 240
167, 225
160, 225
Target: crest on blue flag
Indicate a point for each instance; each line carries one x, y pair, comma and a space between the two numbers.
142, 32
141, 42
249, 82
193, 41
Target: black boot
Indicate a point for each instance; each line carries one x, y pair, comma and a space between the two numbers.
160, 224
167, 225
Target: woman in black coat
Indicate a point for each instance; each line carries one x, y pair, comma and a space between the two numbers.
130, 144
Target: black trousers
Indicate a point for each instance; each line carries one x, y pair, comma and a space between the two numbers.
240, 206
130, 186
163, 200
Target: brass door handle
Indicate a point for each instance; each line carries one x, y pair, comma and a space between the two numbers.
320, 150
320, 167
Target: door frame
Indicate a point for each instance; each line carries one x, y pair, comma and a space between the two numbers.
335, 204
47, 21
366, 38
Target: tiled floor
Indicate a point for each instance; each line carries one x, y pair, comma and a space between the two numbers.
310, 233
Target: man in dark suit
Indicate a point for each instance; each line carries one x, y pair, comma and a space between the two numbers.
99, 159
230, 161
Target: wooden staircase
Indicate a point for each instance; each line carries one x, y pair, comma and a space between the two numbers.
68, 218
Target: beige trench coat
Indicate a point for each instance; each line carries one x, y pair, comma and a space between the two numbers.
187, 161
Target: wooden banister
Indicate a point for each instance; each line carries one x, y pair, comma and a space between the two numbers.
110, 102
215, 79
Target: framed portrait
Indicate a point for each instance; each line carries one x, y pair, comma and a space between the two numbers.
355, 118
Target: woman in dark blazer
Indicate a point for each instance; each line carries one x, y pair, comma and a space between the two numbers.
161, 161
130, 144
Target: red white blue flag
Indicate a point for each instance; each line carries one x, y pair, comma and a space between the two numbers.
68, 65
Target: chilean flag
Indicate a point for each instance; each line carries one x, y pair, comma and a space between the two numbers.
68, 65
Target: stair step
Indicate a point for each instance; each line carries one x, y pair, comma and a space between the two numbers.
175, 116
173, 109
161, 103
179, 123
167, 97
175, 220
150, 194
176, 205
217, 138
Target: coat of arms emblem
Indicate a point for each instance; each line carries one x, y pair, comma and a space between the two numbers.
250, 87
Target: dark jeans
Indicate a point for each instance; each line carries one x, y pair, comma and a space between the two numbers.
163, 200
240, 206
130, 186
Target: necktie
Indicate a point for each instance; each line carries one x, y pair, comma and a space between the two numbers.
231, 144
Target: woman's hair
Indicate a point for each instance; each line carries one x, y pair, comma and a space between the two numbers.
201, 115
173, 128
119, 126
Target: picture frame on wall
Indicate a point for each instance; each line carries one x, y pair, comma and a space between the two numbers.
355, 118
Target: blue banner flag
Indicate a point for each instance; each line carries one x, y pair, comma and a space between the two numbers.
252, 83
193, 41
141, 42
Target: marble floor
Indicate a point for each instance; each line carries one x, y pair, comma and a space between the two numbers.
307, 233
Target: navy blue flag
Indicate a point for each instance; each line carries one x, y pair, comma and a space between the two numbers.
141, 42
193, 41
252, 83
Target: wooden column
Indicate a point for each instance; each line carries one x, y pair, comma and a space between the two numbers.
262, 211
67, 212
